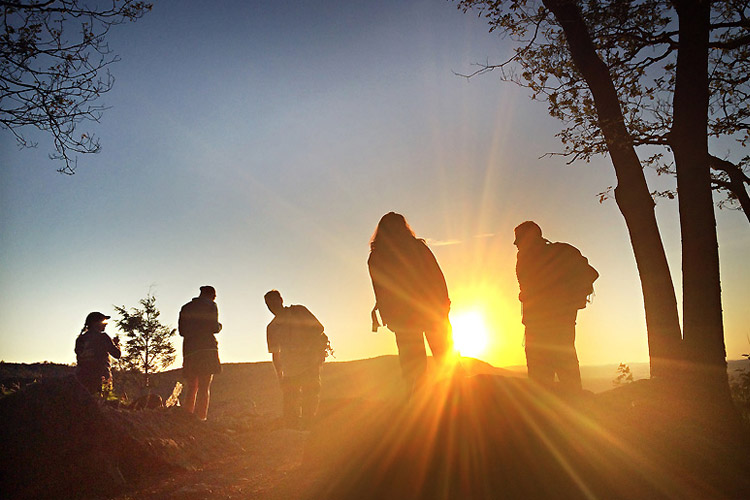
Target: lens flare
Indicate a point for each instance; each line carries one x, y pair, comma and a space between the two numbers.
470, 334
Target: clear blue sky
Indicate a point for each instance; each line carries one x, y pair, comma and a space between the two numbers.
255, 145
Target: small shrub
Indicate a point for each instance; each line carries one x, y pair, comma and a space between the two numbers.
624, 375
149, 345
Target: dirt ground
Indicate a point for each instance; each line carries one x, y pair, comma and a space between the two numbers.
269, 467
58, 442
481, 436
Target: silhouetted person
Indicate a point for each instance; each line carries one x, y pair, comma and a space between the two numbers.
297, 344
198, 323
411, 295
93, 349
555, 281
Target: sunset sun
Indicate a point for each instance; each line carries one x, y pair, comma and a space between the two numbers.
469, 333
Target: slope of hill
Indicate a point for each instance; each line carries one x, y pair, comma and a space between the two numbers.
254, 385
59, 442
23, 373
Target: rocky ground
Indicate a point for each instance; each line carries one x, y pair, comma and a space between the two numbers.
58, 442
486, 435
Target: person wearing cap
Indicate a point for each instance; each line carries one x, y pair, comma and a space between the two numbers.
93, 349
198, 324
554, 281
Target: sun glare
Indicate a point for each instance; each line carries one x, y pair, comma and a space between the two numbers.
469, 333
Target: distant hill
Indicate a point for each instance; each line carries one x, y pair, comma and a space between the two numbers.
255, 383
375, 378
600, 378
597, 378
19, 374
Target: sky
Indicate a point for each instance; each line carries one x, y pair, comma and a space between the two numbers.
255, 145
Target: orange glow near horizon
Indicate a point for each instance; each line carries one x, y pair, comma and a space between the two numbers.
470, 334
486, 322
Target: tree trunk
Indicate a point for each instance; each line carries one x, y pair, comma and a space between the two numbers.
702, 316
632, 195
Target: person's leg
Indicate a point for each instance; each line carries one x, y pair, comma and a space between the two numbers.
539, 357
440, 338
412, 357
568, 370
290, 392
566, 358
203, 395
310, 399
191, 390
92, 383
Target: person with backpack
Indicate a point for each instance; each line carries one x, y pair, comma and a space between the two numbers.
298, 346
555, 281
411, 296
198, 325
93, 349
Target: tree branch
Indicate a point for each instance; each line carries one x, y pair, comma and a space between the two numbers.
737, 181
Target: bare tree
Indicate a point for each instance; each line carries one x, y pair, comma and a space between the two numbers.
54, 65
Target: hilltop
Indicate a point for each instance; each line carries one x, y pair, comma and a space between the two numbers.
487, 435
58, 440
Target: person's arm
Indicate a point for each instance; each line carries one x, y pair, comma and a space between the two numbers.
520, 279
113, 348
274, 348
215, 326
374, 278
524, 277
383, 301
435, 280
182, 322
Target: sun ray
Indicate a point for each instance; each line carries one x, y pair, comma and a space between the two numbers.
470, 334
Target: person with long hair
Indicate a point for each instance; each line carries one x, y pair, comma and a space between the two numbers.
411, 296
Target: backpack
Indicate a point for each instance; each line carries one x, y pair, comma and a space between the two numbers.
310, 336
318, 347
325, 346
579, 275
